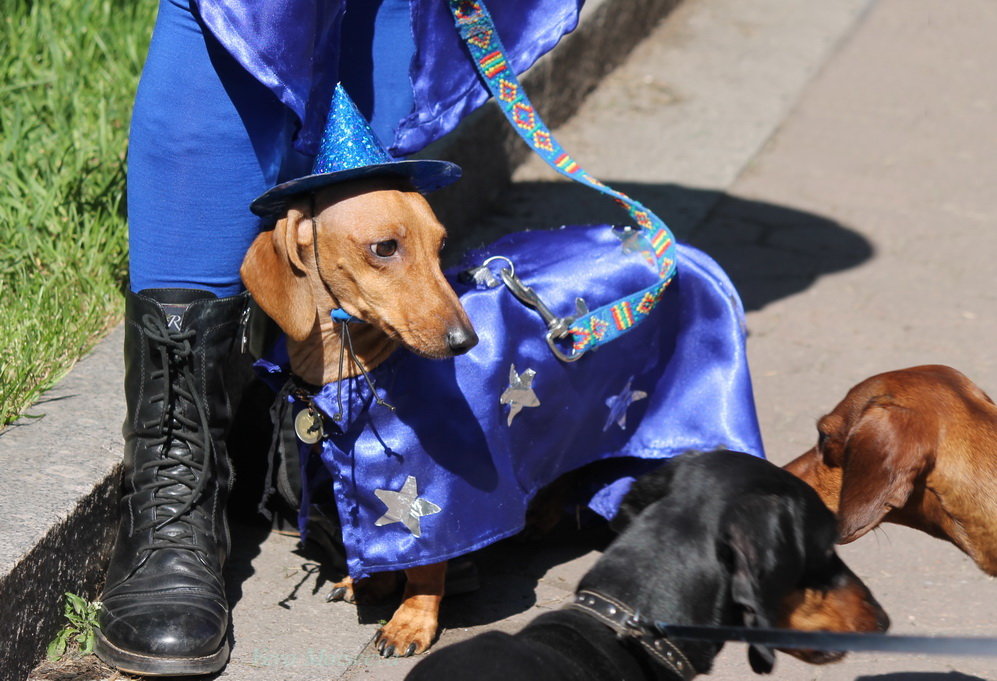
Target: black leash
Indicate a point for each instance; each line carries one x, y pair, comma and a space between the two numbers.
657, 637
834, 641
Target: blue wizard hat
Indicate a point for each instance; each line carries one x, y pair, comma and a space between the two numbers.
349, 151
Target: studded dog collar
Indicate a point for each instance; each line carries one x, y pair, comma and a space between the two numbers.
627, 624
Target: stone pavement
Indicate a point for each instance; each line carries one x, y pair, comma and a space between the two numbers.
838, 160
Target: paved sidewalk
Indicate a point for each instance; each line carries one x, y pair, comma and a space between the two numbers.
839, 160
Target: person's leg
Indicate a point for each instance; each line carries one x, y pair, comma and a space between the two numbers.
205, 140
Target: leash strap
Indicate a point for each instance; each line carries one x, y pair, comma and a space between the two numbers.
835, 641
654, 240
656, 637
628, 625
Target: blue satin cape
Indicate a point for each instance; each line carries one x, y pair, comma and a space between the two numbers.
293, 48
451, 433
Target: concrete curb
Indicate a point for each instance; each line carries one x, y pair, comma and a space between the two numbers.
60, 471
60, 482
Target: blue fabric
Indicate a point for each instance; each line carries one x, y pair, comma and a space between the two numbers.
228, 83
294, 47
378, 46
451, 433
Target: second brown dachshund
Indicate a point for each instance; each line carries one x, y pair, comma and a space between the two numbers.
917, 447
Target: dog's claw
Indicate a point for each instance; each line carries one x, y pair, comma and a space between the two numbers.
411, 650
336, 594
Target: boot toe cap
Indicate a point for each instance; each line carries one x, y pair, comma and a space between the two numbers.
165, 630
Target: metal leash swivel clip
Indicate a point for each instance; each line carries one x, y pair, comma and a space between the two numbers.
557, 327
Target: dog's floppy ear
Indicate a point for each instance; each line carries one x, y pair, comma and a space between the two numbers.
276, 277
885, 453
764, 558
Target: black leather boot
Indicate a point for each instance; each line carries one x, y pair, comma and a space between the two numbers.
164, 606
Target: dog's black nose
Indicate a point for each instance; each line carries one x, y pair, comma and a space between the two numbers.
882, 620
461, 339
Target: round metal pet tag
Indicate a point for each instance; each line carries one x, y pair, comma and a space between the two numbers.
308, 426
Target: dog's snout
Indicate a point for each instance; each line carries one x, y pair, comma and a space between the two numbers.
461, 339
882, 619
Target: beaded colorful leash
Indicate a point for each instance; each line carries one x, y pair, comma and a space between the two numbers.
654, 240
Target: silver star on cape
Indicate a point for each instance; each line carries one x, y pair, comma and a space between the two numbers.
483, 277
635, 241
405, 506
520, 393
618, 405
631, 238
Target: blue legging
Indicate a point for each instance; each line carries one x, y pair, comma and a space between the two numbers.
207, 138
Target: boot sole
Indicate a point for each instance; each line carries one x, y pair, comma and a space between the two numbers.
146, 665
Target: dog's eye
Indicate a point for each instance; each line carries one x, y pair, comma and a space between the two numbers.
385, 249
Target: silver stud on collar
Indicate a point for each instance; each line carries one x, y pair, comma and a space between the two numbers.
630, 624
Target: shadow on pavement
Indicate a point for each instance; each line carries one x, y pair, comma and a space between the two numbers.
511, 570
920, 676
769, 251
248, 443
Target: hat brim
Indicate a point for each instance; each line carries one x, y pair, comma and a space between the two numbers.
426, 176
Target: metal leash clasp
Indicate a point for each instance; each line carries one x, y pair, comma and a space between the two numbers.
557, 327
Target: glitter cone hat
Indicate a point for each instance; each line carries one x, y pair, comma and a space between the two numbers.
349, 151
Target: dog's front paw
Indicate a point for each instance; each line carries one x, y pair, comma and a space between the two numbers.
412, 629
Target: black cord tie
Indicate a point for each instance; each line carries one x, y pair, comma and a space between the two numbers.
347, 340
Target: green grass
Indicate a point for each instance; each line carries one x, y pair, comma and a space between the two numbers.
68, 72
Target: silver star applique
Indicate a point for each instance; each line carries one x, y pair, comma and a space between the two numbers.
634, 241
483, 277
405, 506
520, 393
618, 405
631, 238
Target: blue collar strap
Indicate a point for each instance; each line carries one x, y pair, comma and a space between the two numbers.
653, 239
341, 315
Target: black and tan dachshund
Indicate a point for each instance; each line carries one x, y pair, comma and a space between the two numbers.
716, 538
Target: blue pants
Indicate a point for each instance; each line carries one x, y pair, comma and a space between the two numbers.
207, 138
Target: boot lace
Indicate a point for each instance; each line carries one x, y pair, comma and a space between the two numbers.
176, 466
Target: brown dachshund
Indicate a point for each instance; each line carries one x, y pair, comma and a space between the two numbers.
354, 246
917, 447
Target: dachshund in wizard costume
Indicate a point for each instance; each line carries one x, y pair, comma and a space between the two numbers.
439, 404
